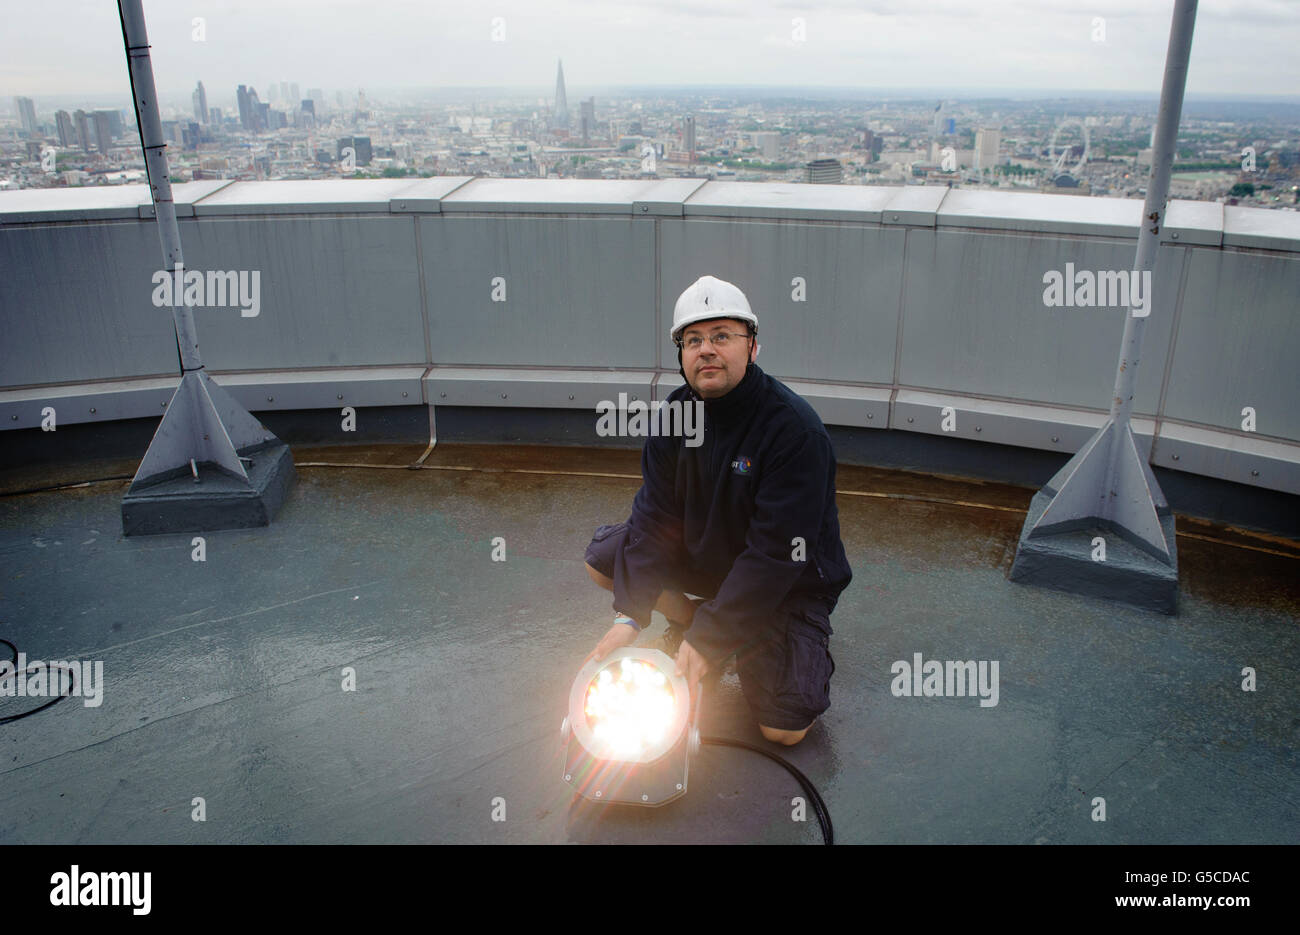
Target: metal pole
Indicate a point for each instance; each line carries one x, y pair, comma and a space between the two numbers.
1153, 215
145, 95
1108, 485
204, 429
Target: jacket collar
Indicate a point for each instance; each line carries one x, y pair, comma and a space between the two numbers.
740, 400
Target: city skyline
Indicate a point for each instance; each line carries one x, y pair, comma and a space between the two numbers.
1242, 149
1241, 48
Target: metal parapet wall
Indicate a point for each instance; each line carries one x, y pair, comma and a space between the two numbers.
920, 309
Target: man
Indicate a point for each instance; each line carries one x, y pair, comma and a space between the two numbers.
747, 520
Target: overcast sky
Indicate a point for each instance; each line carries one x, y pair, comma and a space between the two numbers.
956, 47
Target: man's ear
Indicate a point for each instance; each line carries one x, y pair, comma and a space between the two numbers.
753, 354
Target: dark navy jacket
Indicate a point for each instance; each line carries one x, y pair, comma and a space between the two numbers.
719, 519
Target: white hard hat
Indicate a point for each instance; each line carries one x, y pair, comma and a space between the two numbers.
710, 297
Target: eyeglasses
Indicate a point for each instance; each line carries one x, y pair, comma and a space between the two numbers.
718, 339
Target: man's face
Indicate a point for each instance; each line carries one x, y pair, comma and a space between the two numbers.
715, 371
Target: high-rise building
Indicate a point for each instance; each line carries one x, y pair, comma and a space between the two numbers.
67, 132
364, 152
26, 109
252, 111
560, 117
769, 144
114, 117
200, 98
873, 144
103, 131
360, 147
987, 143
588, 110
293, 92
245, 106
83, 129
688, 137
938, 120
215, 116
823, 172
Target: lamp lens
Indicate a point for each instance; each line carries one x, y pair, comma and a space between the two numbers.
629, 706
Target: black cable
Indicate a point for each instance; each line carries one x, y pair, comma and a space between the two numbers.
72, 686
819, 807
84, 483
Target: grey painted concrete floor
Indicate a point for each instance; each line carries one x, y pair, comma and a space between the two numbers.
223, 678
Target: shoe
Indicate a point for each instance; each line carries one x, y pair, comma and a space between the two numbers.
672, 637
697, 601
670, 640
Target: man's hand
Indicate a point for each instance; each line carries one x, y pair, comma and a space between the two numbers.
618, 636
690, 664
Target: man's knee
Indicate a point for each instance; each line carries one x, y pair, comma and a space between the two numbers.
602, 580
787, 737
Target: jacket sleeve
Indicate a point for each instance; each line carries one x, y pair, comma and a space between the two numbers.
790, 502
653, 545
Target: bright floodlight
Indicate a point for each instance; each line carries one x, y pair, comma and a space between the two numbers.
629, 707
626, 736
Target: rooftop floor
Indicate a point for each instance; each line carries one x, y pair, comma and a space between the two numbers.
222, 678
